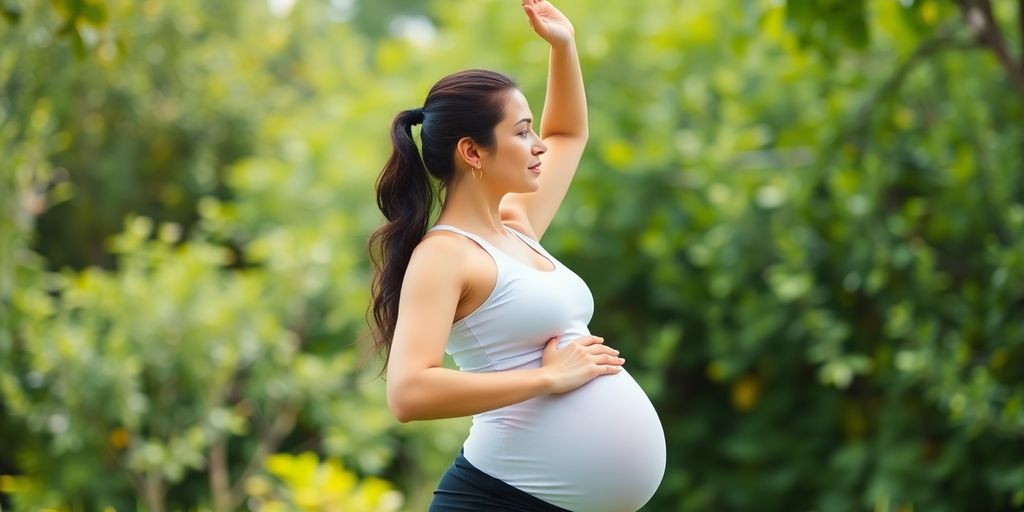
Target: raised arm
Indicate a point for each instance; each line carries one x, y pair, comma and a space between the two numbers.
563, 126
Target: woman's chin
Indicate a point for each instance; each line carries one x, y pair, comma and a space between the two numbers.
533, 181
532, 186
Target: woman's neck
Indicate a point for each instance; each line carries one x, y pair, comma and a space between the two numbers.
471, 206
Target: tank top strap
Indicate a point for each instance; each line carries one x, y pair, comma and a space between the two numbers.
531, 242
492, 250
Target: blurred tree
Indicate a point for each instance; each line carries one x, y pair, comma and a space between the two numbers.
814, 212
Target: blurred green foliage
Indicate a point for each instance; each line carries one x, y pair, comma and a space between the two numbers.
804, 219
307, 484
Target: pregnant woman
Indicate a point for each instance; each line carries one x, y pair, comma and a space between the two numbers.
558, 423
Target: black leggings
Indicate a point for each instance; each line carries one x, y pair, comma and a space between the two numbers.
464, 488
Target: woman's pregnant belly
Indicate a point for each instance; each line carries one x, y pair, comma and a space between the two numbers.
598, 448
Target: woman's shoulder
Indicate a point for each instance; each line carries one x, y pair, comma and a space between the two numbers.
439, 251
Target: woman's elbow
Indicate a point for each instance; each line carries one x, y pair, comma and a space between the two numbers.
402, 415
399, 405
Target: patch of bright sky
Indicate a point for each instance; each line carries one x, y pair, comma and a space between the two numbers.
280, 8
415, 29
341, 10
337, 10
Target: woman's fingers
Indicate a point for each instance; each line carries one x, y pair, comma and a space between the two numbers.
589, 340
596, 343
596, 350
591, 347
607, 359
551, 346
535, 21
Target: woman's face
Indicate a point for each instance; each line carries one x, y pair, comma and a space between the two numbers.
513, 164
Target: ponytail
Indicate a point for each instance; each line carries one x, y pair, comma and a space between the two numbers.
465, 104
405, 197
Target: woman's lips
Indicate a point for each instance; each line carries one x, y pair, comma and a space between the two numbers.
535, 169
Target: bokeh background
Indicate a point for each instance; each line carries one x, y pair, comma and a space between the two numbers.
802, 220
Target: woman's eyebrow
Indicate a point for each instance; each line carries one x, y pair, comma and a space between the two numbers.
524, 120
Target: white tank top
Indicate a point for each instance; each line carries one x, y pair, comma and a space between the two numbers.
598, 448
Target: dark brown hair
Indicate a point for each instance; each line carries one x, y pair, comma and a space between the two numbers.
465, 104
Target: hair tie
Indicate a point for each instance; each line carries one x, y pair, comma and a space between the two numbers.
417, 115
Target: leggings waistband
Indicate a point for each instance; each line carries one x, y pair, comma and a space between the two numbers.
464, 488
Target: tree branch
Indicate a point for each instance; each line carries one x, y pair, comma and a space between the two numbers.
980, 18
1020, 26
942, 40
219, 479
269, 441
136, 482
154, 491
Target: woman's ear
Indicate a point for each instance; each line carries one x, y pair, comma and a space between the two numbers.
469, 152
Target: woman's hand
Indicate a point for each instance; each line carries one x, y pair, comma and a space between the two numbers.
548, 22
578, 362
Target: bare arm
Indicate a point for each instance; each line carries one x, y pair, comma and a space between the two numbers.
563, 125
565, 105
418, 388
436, 393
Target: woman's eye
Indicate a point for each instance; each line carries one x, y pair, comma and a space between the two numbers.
523, 133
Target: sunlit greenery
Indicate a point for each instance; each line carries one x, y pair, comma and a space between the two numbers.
802, 220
